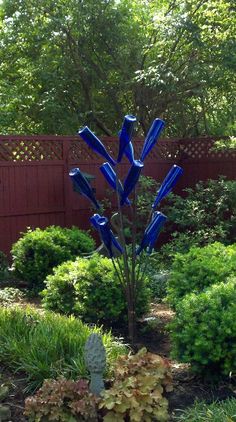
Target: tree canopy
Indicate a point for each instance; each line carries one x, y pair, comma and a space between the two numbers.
65, 63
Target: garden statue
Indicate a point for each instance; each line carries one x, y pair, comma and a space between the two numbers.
95, 360
128, 260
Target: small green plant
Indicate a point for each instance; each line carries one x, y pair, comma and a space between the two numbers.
137, 390
38, 251
5, 412
90, 289
47, 345
203, 331
62, 400
200, 268
9, 295
224, 411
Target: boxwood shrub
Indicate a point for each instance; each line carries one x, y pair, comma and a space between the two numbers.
203, 332
38, 251
199, 268
89, 288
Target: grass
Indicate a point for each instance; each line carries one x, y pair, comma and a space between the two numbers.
47, 345
224, 411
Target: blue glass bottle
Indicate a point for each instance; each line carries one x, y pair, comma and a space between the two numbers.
112, 179
152, 136
125, 135
152, 232
131, 179
168, 183
93, 142
83, 185
102, 225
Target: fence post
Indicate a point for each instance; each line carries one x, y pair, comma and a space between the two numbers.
67, 184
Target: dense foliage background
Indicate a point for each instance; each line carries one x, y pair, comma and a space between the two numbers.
67, 63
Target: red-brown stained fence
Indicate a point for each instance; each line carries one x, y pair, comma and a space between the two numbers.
35, 189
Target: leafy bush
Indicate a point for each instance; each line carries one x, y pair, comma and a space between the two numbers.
137, 390
181, 243
38, 251
89, 288
199, 268
208, 211
62, 400
214, 412
47, 345
158, 285
204, 329
3, 266
9, 295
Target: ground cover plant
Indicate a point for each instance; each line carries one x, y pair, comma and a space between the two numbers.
137, 390
200, 268
203, 331
62, 400
38, 251
224, 411
47, 345
90, 289
135, 393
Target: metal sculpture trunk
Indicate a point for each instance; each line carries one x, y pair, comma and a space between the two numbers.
129, 266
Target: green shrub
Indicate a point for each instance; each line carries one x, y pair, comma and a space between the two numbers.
224, 411
89, 288
38, 251
47, 345
200, 268
208, 210
4, 274
204, 329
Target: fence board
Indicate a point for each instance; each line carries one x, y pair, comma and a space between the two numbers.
35, 189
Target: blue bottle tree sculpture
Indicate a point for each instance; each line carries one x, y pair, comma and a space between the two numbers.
129, 260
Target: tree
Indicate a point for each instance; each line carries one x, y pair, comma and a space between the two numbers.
71, 67
65, 63
188, 71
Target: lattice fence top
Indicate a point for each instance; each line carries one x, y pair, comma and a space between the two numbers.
30, 150
38, 148
165, 150
204, 149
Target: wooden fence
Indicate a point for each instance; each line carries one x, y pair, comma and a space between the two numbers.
35, 190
